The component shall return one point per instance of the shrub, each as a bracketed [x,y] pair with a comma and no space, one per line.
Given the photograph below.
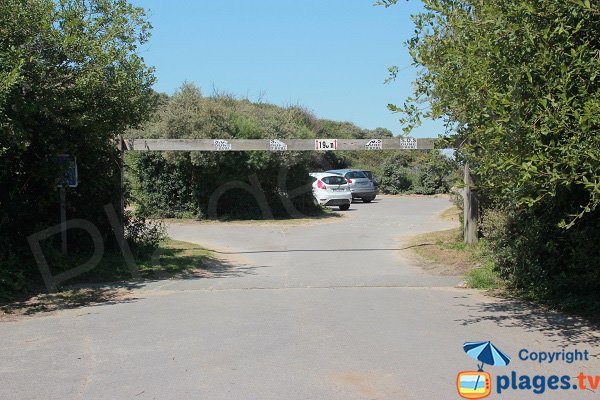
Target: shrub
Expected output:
[12,279]
[544,261]
[395,180]
[183,186]
[143,236]
[71,80]
[435,174]
[421,173]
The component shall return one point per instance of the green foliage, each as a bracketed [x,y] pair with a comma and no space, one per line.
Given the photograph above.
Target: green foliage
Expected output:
[71,79]
[11,275]
[396,175]
[544,261]
[418,172]
[143,236]
[182,184]
[484,277]
[517,83]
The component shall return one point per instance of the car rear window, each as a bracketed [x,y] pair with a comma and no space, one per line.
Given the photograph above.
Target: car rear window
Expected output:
[369,174]
[355,175]
[334,180]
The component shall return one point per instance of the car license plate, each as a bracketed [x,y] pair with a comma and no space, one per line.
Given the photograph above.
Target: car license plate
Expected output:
[338,190]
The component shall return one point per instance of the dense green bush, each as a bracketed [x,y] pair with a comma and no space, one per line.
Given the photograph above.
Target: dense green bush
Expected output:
[544,261]
[395,179]
[143,236]
[182,184]
[517,83]
[420,173]
[12,275]
[71,79]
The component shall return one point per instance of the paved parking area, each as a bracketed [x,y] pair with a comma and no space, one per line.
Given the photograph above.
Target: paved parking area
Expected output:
[327,310]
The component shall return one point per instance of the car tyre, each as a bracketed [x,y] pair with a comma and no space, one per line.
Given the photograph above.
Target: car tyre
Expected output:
[316,202]
[344,207]
[367,199]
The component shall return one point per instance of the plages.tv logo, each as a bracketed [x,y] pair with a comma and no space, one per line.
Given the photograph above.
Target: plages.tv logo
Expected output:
[478,384]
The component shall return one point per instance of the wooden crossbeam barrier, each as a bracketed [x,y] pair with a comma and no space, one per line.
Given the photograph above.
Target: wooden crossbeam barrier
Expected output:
[404,143]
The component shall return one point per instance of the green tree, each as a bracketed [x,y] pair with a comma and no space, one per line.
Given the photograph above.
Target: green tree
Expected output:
[517,83]
[518,80]
[71,79]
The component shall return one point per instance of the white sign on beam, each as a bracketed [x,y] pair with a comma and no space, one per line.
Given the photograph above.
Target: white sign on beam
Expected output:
[222,145]
[374,144]
[277,145]
[408,143]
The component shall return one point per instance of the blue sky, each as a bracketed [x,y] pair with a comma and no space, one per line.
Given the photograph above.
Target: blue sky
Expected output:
[330,56]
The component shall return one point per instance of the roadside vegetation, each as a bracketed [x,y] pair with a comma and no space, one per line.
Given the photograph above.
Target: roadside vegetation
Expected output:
[517,82]
[181,184]
[445,253]
[71,81]
[112,282]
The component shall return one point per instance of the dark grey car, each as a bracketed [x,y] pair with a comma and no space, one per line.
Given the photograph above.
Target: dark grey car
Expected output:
[373,179]
[360,185]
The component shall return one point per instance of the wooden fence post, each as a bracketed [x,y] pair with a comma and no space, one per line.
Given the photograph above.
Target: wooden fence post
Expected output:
[122,179]
[471,214]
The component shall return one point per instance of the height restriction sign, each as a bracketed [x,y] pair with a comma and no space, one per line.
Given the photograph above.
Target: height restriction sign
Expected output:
[325,144]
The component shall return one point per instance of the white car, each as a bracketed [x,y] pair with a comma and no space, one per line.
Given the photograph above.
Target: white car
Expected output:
[331,190]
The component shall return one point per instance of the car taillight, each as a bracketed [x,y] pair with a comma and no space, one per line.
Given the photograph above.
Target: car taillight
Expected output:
[321,185]
[349,180]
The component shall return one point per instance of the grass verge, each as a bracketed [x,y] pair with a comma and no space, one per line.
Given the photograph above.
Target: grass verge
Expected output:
[324,215]
[445,253]
[111,281]
[174,258]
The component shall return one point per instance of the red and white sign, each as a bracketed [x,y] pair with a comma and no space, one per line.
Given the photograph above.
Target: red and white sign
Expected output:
[325,144]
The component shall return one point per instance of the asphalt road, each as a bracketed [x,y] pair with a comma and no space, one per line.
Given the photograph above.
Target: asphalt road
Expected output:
[328,310]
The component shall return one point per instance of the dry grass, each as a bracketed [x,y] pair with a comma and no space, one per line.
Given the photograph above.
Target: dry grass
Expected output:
[450,214]
[444,253]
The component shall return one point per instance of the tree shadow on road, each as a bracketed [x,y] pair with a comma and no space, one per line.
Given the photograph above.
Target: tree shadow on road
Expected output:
[71,298]
[560,328]
[187,262]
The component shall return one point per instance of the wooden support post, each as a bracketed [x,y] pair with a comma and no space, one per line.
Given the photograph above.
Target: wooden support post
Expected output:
[122,179]
[63,219]
[470,209]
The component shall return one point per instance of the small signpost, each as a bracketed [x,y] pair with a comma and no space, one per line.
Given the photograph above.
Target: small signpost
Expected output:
[325,144]
[69,178]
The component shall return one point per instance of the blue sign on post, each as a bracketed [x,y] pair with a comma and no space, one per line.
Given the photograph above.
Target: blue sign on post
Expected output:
[69,166]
